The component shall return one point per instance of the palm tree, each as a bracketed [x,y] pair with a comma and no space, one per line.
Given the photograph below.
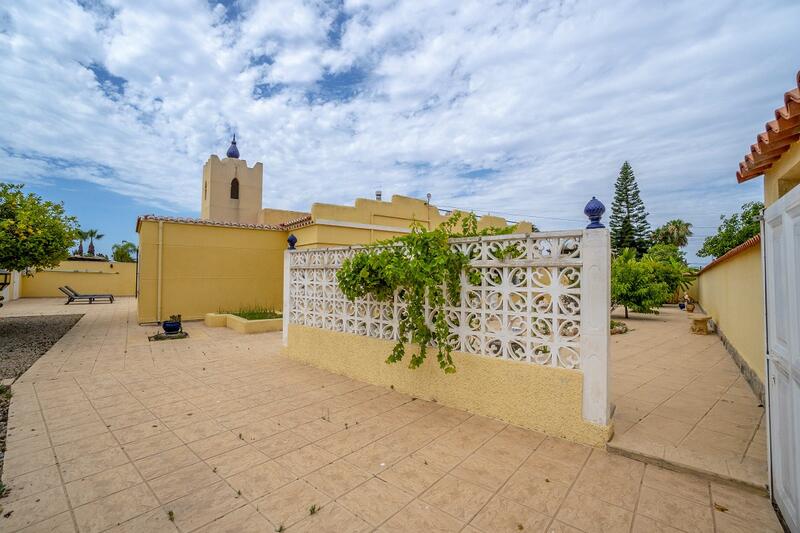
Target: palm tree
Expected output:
[93,234]
[124,252]
[82,236]
[675,232]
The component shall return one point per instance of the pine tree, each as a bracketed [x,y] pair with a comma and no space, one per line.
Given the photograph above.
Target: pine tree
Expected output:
[629,226]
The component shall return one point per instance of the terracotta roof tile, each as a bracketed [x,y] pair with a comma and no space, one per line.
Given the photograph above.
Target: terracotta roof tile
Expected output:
[749,243]
[778,136]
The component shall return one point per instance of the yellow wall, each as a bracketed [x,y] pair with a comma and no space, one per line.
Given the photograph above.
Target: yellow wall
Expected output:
[731,292]
[783,175]
[208,269]
[369,221]
[88,277]
[536,397]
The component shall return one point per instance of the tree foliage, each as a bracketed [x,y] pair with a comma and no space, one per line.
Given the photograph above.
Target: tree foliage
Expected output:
[124,252]
[421,267]
[669,266]
[635,284]
[733,230]
[34,233]
[628,224]
[675,232]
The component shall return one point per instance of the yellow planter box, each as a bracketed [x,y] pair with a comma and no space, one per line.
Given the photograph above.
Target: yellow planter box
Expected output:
[242,325]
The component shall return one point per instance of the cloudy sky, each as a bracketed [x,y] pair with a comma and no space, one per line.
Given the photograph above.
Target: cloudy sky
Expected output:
[523,109]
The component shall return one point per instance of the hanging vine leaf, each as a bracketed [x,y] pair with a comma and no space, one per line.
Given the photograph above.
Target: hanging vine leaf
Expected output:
[422,268]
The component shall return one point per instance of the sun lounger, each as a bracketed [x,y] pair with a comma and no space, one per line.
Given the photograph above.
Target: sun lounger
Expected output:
[74,296]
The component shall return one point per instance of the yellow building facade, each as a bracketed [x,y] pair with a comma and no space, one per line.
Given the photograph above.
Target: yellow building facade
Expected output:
[730,288]
[232,257]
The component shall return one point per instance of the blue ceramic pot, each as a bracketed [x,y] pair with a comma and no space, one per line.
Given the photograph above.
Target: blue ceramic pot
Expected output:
[681,306]
[171,326]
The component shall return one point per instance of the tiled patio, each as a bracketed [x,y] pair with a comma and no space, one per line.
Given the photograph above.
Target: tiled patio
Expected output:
[220,432]
[681,400]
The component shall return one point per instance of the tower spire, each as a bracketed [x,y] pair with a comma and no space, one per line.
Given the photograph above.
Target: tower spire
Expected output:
[233,151]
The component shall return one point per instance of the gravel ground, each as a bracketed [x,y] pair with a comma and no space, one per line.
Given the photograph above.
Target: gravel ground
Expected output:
[23,340]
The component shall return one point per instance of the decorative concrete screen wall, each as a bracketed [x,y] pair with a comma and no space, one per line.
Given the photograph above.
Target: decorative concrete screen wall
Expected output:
[544,313]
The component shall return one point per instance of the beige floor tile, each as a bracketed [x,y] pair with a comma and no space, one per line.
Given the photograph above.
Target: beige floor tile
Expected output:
[502,515]
[603,463]
[16,462]
[743,504]
[619,491]
[243,520]
[593,515]
[728,523]
[644,524]
[166,462]
[305,460]
[332,518]
[668,429]
[419,516]
[536,490]
[412,475]
[158,443]
[88,489]
[198,430]
[86,465]
[58,524]
[563,451]
[204,505]
[183,481]
[216,444]
[31,483]
[553,469]
[675,511]
[375,501]
[155,521]
[337,478]
[85,446]
[32,509]
[236,460]
[280,444]
[485,470]
[261,479]
[457,497]
[290,503]
[685,485]
[115,509]
[139,431]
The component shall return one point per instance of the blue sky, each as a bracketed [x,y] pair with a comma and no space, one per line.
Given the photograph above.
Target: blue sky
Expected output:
[524,109]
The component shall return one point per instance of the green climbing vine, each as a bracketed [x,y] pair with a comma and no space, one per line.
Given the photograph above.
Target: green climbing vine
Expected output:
[421,267]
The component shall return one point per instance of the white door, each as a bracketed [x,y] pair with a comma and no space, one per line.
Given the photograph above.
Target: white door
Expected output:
[781,241]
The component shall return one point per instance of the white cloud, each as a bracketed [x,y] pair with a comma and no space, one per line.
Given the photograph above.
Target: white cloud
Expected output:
[515,107]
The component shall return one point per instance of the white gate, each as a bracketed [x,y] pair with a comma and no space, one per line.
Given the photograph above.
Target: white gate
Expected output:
[781,241]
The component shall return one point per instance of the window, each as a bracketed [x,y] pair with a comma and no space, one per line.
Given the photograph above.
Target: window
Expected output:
[235,189]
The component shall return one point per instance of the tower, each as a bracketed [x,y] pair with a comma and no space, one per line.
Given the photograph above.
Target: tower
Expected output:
[231,190]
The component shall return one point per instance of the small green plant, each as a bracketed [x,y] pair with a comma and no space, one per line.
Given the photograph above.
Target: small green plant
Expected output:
[313,509]
[171,516]
[280,528]
[423,269]
[255,313]
[618,327]
[6,392]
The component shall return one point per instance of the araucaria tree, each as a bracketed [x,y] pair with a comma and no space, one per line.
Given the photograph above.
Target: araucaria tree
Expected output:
[34,233]
[629,226]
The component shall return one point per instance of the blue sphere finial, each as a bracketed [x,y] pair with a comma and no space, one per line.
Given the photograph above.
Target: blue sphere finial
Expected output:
[233,152]
[594,210]
[292,240]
